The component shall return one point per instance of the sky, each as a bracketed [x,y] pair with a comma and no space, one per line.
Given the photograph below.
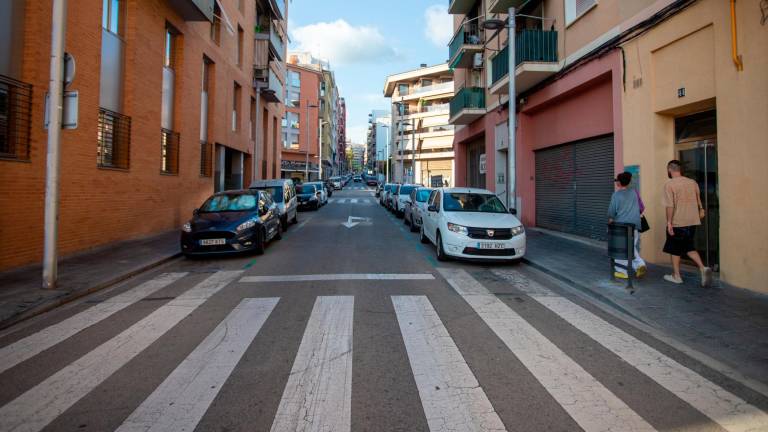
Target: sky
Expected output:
[365,41]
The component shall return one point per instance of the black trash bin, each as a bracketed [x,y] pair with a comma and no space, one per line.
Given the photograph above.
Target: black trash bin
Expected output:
[621,245]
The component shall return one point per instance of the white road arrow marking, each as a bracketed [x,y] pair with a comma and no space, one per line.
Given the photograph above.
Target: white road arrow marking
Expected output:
[354,221]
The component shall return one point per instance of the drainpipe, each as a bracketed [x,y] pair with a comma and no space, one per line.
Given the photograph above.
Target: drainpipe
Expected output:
[734,45]
[511,151]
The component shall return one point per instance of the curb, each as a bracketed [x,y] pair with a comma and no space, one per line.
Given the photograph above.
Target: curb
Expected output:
[74,295]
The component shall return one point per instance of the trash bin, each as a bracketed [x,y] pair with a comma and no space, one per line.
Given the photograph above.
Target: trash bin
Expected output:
[621,246]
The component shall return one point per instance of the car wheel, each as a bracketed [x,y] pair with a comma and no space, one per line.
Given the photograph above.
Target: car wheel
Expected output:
[259,248]
[423,238]
[441,256]
[413,225]
[279,234]
[317,206]
[295,219]
[284,223]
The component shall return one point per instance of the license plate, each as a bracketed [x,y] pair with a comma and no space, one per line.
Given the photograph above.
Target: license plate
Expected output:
[213,242]
[491,245]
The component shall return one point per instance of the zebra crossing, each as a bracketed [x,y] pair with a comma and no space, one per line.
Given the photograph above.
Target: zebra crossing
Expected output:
[358,201]
[317,393]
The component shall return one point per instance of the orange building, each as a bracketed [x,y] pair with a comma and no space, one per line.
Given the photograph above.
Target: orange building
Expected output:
[176,99]
[301,125]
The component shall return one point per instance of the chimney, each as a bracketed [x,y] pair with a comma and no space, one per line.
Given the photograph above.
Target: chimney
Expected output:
[423,65]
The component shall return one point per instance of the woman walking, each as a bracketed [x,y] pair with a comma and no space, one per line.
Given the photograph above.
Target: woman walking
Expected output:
[625,207]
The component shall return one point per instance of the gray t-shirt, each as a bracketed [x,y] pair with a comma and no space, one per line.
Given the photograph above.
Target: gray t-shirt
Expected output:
[624,207]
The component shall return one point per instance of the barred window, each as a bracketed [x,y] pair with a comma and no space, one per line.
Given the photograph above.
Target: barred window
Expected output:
[206,159]
[114,140]
[15,118]
[169,151]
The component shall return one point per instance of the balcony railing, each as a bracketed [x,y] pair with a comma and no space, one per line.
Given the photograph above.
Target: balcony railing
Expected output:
[531,45]
[446,86]
[468,34]
[113,140]
[277,43]
[468,98]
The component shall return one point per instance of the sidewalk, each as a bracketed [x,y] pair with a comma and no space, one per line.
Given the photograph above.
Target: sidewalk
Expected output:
[728,324]
[21,295]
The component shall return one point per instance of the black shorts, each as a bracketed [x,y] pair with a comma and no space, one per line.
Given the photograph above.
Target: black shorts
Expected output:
[682,242]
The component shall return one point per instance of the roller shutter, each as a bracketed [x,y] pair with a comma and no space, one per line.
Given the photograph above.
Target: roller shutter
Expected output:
[574,183]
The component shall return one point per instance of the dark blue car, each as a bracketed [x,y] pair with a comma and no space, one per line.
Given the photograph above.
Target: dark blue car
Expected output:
[231,222]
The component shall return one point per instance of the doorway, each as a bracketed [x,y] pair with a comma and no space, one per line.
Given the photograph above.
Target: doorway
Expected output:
[476,164]
[696,148]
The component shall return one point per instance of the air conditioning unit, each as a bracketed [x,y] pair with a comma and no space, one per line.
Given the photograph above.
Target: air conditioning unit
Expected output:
[477,61]
[260,73]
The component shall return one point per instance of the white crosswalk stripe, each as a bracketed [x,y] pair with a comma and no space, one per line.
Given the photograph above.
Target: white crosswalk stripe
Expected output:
[587,401]
[182,399]
[727,409]
[318,395]
[40,405]
[26,348]
[450,394]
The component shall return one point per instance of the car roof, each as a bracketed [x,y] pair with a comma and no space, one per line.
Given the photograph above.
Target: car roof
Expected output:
[466,190]
[236,191]
[266,183]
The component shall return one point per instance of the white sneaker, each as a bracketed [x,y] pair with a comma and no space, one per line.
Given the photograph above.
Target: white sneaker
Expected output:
[706,277]
[673,279]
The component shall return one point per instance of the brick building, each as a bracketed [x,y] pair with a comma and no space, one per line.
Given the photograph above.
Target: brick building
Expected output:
[167,114]
[300,133]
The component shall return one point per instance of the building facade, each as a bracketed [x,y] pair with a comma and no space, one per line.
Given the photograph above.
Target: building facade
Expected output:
[422,137]
[301,126]
[341,137]
[606,86]
[166,102]
[377,151]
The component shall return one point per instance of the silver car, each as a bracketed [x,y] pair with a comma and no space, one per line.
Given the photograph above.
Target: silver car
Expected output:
[416,207]
[283,193]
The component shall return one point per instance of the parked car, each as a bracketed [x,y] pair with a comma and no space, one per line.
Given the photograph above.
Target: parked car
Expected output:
[308,196]
[336,182]
[402,197]
[416,207]
[471,223]
[328,186]
[357,179]
[371,181]
[321,187]
[383,194]
[230,222]
[379,187]
[392,196]
[283,194]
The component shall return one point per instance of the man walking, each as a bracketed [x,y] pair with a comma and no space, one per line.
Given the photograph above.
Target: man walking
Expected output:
[625,208]
[682,200]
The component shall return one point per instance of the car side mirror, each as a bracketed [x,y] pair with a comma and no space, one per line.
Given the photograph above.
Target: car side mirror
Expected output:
[513,211]
[432,208]
[195,212]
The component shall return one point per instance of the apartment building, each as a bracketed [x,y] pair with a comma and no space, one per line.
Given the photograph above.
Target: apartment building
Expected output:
[421,138]
[166,115]
[301,123]
[377,141]
[604,86]
[341,137]
[358,157]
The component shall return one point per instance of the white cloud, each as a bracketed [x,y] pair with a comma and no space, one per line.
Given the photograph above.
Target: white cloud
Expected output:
[439,25]
[342,43]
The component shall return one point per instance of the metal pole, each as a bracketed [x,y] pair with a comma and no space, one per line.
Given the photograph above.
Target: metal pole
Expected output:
[306,159]
[320,153]
[256,146]
[511,151]
[387,155]
[55,109]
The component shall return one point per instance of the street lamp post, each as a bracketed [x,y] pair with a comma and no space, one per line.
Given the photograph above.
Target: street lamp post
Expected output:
[306,159]
[386,160]
[320,151]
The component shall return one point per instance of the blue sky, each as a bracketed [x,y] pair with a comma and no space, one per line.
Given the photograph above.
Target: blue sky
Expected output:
[365,41]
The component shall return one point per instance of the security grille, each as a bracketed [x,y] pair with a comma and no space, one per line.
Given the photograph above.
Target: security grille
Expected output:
[15,115]
[114,140]
[206,159]
[169,151]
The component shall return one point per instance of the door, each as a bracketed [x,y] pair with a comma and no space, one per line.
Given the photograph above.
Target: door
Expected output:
[430,219]
[475,157]
[696,148]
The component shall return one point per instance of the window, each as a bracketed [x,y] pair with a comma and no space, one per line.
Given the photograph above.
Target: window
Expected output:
[216,24]
[293,99]
[576,8]
[239,45]
[206,159]
[112,16]
[114,140]
[15,118]
[426,83]
[402,89]
[171,34]
[294,78]
[236,95]
[322,89]
[169,151]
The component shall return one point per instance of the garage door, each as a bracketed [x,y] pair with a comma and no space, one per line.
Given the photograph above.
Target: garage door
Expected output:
[574,183]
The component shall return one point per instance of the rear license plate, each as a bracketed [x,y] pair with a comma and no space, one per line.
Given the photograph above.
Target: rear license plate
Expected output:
[490,245]
[213,242]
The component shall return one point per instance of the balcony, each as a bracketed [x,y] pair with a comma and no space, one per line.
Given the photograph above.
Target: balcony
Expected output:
[460,7]
[535,61]
[193,10]
[276,43]
[274,91]
[278,6]
[502,6]
[468,105]
[467,42]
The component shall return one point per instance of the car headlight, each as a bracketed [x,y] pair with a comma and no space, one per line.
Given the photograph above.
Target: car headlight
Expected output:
[246,225]
[187,227]
[313,198]
[517,230]
[458,229]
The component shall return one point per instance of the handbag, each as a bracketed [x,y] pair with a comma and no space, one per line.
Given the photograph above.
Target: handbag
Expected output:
[644,224]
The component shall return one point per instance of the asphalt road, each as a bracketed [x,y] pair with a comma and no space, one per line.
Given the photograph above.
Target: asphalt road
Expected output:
[353,327]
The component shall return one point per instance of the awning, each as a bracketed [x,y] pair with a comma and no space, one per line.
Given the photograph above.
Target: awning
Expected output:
[227,22]
[455,62]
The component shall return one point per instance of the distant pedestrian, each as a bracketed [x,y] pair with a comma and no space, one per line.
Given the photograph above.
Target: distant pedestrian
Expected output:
[625,208]
[682,200]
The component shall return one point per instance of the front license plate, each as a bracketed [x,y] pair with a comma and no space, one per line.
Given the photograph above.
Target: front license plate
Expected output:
[213,242]
[490,245]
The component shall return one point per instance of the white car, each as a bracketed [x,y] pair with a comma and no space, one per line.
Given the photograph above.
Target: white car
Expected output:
[323,193]
[471,223]
[402,198]
[416,207]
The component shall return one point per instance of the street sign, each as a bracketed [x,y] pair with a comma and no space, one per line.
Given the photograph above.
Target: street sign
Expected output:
[482,164]
[69,112]
[69,69]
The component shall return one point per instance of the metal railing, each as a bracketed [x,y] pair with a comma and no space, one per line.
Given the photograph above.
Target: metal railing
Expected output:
[15,118]
[468,34]
[531,45]
[169,151]
[446,86]
[206,159]
[468,98]
[114,140]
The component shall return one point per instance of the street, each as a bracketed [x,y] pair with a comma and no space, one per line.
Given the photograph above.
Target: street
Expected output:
[350,324]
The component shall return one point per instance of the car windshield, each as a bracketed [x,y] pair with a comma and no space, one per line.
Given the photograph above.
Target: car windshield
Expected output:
[231,202]
[422,195]
[406,190]
[305,189]
[472,202]
[275,191]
